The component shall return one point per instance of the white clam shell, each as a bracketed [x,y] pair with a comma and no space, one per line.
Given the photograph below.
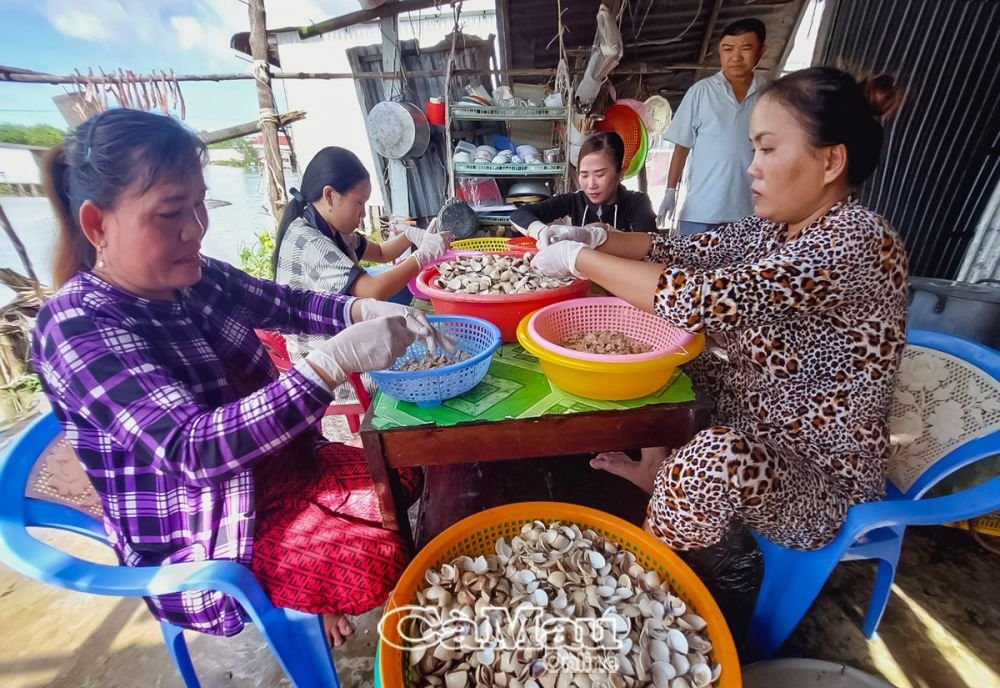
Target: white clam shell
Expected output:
[701,675]
[559,573]
[662,673]
[678,641]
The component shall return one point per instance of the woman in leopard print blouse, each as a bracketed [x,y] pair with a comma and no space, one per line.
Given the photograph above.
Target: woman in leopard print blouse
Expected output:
[806,302]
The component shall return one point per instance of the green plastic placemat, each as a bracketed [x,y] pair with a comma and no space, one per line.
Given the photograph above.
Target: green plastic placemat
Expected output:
[514,387]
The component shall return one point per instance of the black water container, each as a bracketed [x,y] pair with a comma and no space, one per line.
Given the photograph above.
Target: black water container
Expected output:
[959,308]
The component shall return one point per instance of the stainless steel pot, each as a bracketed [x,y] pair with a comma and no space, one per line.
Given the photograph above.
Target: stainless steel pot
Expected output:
[398,130]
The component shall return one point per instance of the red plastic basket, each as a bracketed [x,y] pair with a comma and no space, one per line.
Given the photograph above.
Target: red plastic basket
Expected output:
[503,310]
[524,242]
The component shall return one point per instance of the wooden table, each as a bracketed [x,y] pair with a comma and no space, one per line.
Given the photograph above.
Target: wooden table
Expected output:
[669,425]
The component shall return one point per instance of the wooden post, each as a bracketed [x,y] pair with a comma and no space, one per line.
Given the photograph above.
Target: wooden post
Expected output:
[274,172]
[21,251]
[392,58]
[706,41]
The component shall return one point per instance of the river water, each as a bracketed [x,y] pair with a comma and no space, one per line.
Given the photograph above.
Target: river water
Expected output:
[229,226]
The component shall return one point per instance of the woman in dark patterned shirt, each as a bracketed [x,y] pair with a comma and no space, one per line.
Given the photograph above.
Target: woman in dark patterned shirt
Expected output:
[806,302]
[197,448]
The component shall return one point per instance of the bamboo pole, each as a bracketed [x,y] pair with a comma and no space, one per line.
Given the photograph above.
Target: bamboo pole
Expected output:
[273,168]
[16,77]
[240,130]
[392,9]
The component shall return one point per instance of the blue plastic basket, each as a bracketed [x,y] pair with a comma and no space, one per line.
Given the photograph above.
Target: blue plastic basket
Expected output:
[475,336]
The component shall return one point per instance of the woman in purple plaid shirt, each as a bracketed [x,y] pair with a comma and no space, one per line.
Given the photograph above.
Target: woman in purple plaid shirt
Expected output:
[198,449]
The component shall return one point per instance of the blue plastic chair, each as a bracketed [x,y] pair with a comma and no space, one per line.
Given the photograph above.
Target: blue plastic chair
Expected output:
[874,530]
[297,638]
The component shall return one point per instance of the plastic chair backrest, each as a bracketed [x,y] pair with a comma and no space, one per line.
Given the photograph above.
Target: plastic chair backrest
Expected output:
[947,397]
[58,476]
[42,483]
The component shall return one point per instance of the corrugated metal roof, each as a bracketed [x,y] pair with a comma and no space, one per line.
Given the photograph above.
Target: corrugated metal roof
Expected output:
[656,34]
[940,163]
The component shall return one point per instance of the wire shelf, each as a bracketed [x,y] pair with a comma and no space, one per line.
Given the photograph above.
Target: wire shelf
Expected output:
[510,170]
[487,219]
[510,113]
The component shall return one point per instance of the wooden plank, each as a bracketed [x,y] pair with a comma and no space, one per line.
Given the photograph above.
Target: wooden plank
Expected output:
[392,60]
[775,73]
[575,433]
[390,9]
[372,444]
[709,30]
[455,492]
[22,253]
[503,29]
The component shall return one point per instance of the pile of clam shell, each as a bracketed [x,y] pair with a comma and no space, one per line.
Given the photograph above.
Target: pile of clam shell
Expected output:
[605,342]
[556,577]
[430,361]
[493,274]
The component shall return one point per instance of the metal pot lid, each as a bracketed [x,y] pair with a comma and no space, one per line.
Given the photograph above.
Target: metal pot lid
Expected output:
[394,127]
[531,188]
[458,218]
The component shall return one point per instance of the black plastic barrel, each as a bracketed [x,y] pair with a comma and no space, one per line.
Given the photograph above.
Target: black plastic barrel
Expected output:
[959,308]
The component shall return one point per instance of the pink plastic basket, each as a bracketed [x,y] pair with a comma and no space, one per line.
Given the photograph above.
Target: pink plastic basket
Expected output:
[554,323]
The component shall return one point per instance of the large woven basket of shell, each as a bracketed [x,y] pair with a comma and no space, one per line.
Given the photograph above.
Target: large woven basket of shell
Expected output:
[552,594]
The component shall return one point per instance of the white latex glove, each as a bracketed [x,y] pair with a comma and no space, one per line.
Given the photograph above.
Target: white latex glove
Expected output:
[416,322]
[558,259]
[667,207]
[534,229]
[416,235]
[591,235]
[370,345]
[432,245]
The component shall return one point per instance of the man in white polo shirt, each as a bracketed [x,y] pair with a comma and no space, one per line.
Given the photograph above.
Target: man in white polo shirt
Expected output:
[713,124]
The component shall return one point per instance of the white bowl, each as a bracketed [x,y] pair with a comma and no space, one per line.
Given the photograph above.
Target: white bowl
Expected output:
[463,156]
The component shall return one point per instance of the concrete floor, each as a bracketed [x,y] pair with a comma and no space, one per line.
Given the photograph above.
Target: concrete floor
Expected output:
[941,628]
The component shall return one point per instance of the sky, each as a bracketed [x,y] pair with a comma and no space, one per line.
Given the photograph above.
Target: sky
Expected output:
[188,36]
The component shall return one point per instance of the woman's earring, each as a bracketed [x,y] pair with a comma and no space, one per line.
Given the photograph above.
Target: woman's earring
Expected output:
[101,263]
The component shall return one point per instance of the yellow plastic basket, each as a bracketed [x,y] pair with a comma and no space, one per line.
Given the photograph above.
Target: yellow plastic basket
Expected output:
[477,535]
[611,378]
[481,244]
[488,245]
